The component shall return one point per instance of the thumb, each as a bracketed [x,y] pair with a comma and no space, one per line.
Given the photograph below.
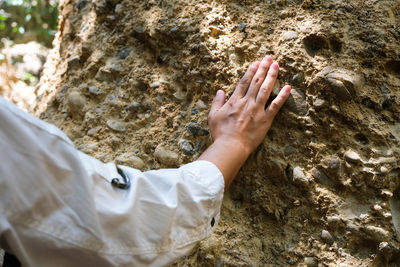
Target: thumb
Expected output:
[218,102]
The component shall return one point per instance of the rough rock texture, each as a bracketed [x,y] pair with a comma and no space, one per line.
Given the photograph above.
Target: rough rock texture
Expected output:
[153,67]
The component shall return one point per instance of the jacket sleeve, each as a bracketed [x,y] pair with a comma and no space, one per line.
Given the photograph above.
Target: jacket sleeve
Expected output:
[58,207]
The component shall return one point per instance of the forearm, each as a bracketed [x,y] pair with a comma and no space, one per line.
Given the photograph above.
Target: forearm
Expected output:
[228,155]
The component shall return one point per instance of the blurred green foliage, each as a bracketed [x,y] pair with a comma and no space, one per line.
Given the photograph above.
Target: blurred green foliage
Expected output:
[22,21]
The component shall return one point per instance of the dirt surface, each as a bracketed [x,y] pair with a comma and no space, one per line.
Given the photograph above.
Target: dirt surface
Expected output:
[323,189]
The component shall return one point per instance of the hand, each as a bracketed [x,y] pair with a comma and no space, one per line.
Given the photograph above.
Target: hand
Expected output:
[243,119]
[240,124]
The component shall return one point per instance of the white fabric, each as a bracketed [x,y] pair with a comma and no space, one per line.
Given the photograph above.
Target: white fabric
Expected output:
[58,207]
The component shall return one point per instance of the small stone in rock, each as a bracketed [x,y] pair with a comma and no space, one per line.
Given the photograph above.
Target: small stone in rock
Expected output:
[91,132]
[332,221]
[334,163]
[352,156]
[132,160]
[298,78]
[339,89]
[195,111]
[73,62]
[81,4]
[320,177]
[94,90]
[319,103]
[196,129]
[242,26]
[186,147]
[155,85]
[166,157]
[310,262]
[200,105]
[297,102]
[299,177]
[289,35]
[124,53]
[116,125]
[289,150]
[75,104]
[134,106]
[377,233]
[178,95]
[327,237]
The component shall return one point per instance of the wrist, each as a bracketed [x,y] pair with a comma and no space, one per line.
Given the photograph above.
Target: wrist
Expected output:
[233,146]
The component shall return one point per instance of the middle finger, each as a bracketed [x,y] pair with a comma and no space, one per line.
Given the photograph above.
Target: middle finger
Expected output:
[259,77]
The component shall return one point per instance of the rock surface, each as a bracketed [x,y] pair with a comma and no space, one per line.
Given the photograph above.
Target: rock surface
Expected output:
[341,57]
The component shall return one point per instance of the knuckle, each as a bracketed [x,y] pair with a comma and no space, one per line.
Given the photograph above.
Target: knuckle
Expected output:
[274,74]
[264,89]
[274,106]
[258,81]
[244,81]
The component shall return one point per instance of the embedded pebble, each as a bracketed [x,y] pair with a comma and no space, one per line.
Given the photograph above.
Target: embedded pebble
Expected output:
[320,177]
[130,159]
[319,103]
[155,85]
[310,262]
[166,157]
[377,233]
[196,129]
[344,83]
[383,169]
[108,73]
[186,147]
[93,131]
[297,102]
[298,78]
[242,26]
[200,105]
[134,106]
[88,148]
[95,90]
[352,156]
[332,221]
[289,35]
[124,53]
[118,8]
[81,4]
[75,104]
[339,89]
[327,237]
[289,150]
[116,125]
[73,63]
[334,163]
[179,95]
[299,177]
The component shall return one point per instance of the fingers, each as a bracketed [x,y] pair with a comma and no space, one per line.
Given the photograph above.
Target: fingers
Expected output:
[278,102]
[244,83]
[268,85]
[259,77]
[218,102]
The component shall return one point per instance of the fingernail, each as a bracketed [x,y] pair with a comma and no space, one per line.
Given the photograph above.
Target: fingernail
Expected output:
[220,93]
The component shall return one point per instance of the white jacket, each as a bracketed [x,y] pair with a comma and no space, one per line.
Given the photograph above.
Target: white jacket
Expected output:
[58,207]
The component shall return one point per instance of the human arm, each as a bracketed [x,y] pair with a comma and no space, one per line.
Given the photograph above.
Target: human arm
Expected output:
[240,124]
